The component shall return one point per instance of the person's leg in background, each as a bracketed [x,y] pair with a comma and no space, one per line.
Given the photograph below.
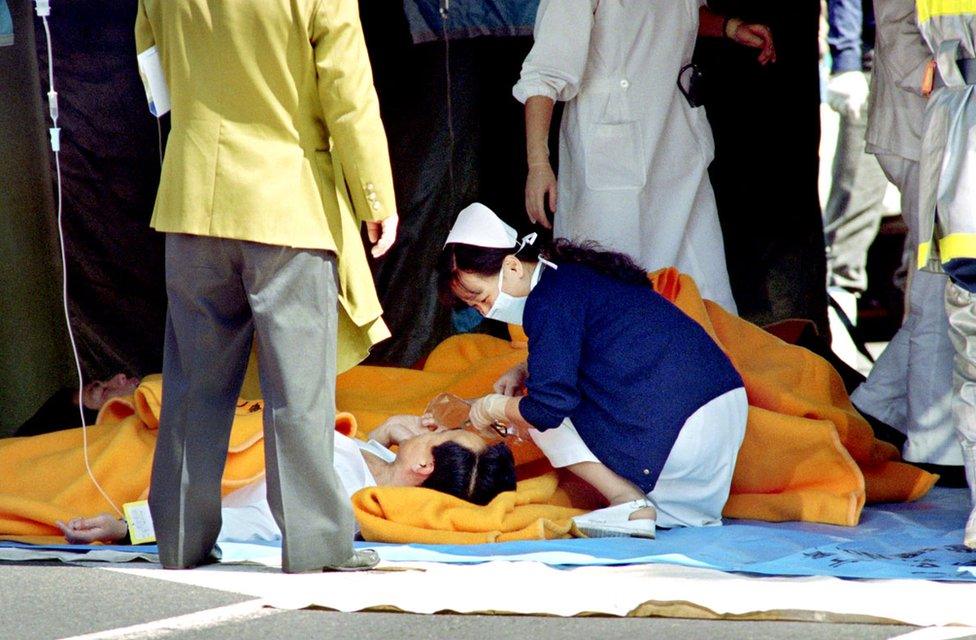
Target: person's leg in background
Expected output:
[208,338]
[910,385]
[931,436]
[960,303]
[852,216]
[294,298]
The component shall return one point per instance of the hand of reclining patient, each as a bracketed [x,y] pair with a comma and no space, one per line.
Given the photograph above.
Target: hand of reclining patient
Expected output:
[100,528]
[398,428]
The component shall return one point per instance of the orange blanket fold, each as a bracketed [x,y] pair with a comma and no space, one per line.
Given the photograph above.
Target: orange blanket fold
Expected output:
[407,514]
[807,454]
[44,477]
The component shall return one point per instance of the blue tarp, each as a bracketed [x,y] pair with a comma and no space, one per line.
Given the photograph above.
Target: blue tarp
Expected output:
[469,18]
[6,25]
[919,540]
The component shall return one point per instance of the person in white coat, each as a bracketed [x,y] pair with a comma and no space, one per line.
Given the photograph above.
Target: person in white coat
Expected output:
[910,386]
[633,149]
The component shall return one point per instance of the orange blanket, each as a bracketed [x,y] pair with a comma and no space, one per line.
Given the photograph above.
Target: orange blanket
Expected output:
[44,477]
[807,454]
[408,514]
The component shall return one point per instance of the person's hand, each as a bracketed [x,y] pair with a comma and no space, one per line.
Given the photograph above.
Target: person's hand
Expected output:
[756,36]
[540,183]
[847,92]
[396,429]
[101,528]
[512,382]
[488,410]
[382,234]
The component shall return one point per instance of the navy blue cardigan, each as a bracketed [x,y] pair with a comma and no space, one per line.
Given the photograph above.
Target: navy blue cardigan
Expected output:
[626,365]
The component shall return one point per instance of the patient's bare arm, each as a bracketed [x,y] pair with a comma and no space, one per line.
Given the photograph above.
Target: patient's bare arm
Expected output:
[101,528]
[396,429]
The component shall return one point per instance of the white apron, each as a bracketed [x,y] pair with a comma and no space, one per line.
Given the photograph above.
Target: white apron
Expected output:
[633,154]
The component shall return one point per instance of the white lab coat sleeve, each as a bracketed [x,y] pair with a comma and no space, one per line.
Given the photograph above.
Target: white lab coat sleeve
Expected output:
[908,54]
[555,65]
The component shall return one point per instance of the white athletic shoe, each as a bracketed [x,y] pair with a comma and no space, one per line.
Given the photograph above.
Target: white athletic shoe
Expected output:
[615,522]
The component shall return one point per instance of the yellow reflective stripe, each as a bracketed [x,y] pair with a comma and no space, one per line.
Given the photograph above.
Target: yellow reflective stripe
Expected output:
[957,245]
[927,9]
[924,250]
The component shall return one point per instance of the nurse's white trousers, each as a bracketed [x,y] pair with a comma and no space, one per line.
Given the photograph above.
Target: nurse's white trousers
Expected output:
[694,483]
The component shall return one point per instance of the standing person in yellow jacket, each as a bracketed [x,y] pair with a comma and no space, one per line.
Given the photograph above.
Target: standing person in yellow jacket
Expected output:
[276,155]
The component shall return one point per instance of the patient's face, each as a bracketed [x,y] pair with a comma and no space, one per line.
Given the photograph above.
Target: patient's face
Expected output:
[418,448]
[414,455]
[95,394]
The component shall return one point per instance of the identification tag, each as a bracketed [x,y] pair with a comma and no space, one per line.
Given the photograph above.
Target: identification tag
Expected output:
[140,523]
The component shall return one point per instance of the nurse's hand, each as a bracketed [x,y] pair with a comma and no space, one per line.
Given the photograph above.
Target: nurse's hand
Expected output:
[540,183]
[757,36]
[488,410]
[512,382]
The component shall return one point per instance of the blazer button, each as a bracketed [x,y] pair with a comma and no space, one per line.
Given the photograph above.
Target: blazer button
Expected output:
[647,472]
[376,205]
[369,186]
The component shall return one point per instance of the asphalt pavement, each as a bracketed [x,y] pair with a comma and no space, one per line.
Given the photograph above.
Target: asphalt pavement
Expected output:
[44,600]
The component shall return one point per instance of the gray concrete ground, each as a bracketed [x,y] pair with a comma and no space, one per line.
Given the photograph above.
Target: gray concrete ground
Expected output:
[41,601]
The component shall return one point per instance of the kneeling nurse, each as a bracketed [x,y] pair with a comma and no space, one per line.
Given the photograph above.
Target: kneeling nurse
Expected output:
[621,387]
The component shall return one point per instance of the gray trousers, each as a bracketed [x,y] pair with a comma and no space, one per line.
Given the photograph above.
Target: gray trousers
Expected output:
[961,307]
[854,207]
[222,295]
[910,385]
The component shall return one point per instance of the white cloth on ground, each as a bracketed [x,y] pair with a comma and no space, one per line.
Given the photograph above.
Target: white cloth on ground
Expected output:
[245,512]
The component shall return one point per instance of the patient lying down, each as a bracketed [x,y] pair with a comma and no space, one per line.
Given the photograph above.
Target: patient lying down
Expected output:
[456,462]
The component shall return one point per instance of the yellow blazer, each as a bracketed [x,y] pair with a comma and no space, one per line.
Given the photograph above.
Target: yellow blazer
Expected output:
[276,135]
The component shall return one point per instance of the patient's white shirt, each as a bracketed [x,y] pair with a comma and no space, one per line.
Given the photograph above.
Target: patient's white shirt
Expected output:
[245,512]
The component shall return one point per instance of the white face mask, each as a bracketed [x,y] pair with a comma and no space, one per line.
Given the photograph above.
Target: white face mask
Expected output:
[509,308]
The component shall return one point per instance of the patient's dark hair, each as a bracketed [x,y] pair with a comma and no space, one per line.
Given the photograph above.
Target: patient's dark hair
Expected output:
[486,261]
[471,476]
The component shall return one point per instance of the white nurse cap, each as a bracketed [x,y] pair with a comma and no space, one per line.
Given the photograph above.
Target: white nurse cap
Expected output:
[479,226]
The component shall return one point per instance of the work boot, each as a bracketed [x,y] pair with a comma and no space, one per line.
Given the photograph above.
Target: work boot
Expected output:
[961,309]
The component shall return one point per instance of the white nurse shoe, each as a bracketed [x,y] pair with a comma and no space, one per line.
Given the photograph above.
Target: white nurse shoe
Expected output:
[615,522]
